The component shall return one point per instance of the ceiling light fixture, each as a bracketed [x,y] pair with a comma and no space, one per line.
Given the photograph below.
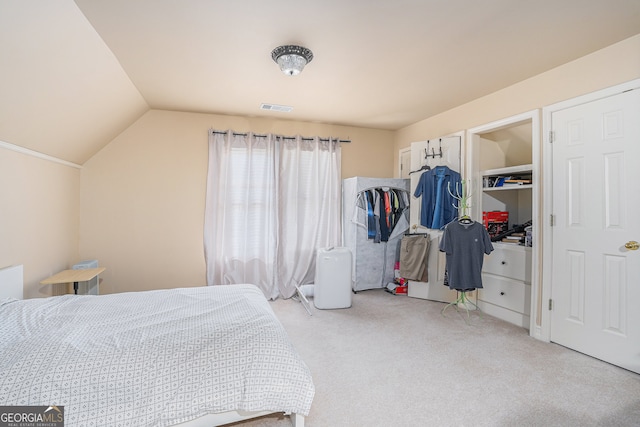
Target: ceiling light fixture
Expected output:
[291,59]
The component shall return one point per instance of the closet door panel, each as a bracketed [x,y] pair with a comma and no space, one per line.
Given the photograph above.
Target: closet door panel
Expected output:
[422,155]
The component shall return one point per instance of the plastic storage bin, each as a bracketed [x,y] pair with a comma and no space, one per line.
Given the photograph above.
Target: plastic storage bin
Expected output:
[332,287]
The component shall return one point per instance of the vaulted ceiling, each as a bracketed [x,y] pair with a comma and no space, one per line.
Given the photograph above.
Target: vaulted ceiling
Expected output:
[73,75]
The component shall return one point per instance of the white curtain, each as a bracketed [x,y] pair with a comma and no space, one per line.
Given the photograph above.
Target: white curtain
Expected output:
[272,201]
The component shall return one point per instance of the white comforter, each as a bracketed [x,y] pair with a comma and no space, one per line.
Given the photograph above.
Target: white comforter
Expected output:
[152,358]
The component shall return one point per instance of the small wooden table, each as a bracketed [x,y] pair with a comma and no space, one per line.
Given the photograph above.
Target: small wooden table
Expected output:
[75,276]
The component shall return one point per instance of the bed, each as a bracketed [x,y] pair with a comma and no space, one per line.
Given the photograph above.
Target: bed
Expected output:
[193,356]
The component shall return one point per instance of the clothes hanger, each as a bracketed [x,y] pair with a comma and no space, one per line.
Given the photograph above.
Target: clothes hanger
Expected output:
[423,168]
[465,219]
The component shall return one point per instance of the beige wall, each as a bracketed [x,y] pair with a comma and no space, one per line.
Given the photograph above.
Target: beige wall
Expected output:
[39,217]
[613,65]
[142,196]
[608,67]
[137,206]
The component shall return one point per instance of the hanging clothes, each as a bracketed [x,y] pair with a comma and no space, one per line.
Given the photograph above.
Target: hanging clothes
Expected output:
[373,262]
[385,208]
[371,217]
[438,206]
[414,253]
[382,216]
[465,246]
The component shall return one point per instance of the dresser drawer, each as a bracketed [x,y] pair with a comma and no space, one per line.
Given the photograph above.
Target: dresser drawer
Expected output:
[509,261]
[510,294]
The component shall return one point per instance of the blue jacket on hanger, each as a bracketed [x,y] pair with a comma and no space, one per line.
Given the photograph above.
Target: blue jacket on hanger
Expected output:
[438,207]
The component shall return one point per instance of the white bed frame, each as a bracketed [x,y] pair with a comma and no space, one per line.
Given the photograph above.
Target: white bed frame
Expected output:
[11,282]
[229,417]
[12,286]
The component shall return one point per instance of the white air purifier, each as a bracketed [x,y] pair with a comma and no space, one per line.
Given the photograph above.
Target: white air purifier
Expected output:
[90,287]
[332,287]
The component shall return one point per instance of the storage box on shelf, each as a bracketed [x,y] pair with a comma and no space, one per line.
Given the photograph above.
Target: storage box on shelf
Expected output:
[496,222]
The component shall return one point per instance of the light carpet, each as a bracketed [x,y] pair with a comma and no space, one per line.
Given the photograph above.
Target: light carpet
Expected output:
[397,361]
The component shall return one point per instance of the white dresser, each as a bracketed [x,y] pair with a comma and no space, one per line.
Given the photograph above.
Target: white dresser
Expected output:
[506,281]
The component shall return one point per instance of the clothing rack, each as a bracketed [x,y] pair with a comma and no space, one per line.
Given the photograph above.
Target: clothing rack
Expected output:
[221,132]
[462,196]
[393,215]
[463,301]
[384,187]
[409,233]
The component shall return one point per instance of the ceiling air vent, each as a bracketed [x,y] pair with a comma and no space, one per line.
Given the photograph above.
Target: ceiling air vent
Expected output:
[275,107]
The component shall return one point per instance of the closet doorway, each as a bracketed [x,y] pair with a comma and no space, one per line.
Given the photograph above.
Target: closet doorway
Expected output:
[508,150]
[594,255]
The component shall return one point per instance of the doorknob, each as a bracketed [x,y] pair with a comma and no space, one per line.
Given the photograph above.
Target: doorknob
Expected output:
[632,245]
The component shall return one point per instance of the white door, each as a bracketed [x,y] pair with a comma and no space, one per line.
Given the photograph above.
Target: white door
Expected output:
[427,153]
[595,286]
[405,163]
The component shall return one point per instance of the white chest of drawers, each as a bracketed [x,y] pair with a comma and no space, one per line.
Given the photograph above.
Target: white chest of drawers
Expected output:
[506,281]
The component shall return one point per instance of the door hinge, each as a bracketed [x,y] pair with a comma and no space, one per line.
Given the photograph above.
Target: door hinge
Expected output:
[552,220]
[552,136]
[550,304]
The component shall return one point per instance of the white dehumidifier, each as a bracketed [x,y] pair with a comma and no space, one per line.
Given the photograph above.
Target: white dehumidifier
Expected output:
[332,287]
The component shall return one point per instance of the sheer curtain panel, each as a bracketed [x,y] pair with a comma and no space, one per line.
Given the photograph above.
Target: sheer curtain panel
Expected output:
[271,202]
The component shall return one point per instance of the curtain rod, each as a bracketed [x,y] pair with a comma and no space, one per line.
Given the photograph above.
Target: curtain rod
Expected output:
[220,132]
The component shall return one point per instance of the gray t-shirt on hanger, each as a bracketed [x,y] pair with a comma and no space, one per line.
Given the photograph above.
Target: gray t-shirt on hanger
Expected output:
[465,246]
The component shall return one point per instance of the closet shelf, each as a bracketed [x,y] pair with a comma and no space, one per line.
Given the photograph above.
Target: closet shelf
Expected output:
[510,170]
[508,187]
[508,178]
